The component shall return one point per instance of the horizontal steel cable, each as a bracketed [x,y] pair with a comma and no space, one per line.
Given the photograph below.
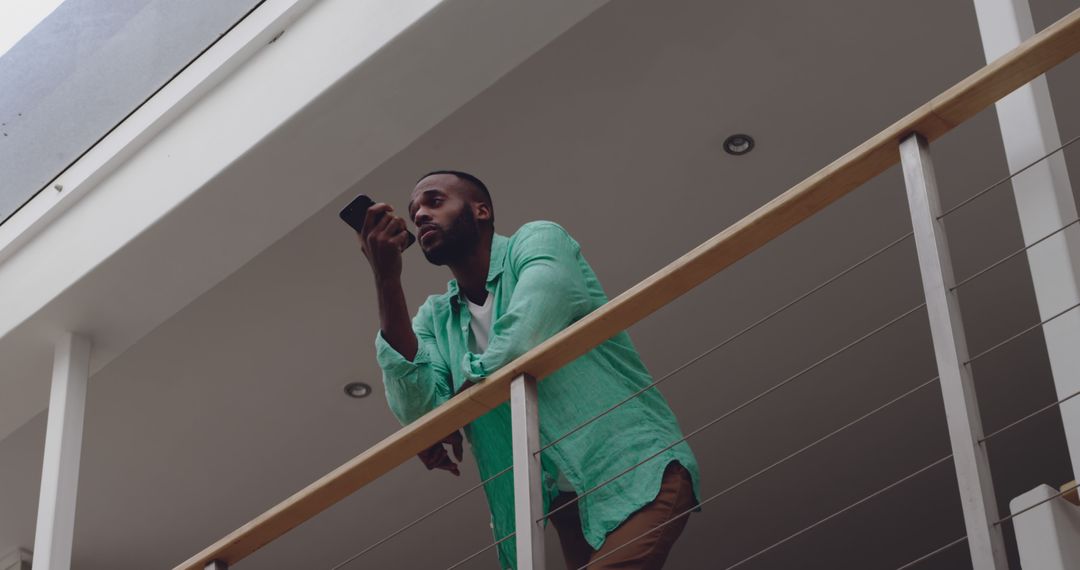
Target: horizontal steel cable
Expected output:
[1026,509]
[422,518]
[733,337]
[844,510]
[935,552]
[814,443]
[1014,254]
[483,550]
[823,438]
[789,537]
[1008,178]
[1031,415]
[741,406]
[1019,334]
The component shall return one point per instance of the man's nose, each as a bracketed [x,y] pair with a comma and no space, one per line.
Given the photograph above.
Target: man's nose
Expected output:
[421,216]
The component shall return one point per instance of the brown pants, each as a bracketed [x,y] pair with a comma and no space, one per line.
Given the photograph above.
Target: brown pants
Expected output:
[648,552]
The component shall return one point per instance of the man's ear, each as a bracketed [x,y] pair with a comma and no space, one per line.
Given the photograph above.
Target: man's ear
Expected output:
[482,211]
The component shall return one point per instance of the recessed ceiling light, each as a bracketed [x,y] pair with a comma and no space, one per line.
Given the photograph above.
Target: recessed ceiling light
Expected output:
[739,144]
[357,390]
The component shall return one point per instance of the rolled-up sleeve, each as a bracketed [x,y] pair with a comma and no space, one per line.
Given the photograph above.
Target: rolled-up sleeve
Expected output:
[550,294]
[414,388]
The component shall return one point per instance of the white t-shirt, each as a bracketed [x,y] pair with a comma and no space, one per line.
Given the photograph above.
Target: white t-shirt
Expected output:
[480,325]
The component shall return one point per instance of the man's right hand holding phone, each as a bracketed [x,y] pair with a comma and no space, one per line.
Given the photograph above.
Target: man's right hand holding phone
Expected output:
[382,240]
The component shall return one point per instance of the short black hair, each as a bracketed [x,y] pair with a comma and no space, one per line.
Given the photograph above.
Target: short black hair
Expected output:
[474,181]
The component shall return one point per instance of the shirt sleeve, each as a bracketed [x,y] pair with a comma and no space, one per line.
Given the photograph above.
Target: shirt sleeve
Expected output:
[414,388]
[550,294]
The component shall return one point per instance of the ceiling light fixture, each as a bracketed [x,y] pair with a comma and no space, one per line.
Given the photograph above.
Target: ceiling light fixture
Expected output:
[739,144]
[357,390]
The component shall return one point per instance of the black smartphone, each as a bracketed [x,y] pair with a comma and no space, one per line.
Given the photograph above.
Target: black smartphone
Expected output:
[356,211]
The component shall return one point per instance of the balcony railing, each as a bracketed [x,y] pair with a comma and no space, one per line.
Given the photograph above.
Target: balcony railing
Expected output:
[906,142]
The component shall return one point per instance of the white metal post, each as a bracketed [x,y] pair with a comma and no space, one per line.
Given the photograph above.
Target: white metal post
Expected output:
[1044,203]
[63,447]
[528,497]
[950,348]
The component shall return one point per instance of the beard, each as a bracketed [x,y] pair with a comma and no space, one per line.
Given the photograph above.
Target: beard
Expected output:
[456,242]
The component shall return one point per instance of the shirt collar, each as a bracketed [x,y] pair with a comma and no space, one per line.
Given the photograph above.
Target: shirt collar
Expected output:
[495,264]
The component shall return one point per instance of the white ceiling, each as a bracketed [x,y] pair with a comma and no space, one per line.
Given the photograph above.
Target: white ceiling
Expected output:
[614,131]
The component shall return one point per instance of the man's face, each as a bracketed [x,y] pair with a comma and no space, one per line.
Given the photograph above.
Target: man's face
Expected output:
[442,210]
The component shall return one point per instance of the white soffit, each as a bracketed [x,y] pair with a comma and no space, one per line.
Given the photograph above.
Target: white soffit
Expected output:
[346,87]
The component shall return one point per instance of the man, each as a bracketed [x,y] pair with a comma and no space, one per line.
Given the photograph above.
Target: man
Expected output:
[508,295]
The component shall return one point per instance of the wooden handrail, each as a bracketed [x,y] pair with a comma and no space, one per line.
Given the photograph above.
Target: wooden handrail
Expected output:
[1070,494]
[956,105]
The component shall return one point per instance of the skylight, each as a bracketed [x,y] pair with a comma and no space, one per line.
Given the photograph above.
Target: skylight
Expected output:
[85,67]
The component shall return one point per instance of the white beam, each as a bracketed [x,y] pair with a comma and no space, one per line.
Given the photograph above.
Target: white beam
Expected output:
[1044,201]
[63,447]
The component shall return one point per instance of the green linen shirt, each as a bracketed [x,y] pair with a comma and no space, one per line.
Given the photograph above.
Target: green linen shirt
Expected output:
[540,284]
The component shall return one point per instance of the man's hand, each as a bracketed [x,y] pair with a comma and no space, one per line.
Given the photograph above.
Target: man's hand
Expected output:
[382,241]
[436,456]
